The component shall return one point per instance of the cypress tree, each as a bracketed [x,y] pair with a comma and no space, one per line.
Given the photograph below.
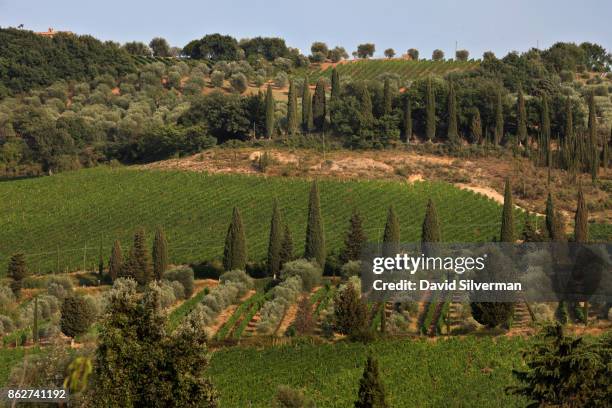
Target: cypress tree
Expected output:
[286,250]
[35,324]
[387,97]
[569,120]
[335,93]
[592,129]
[453,133]
[507,224]
[366,105]
[318,105]
[269,112]
[499,119]
[235,251]
[391,236]
[545,139]
[116,261]
[581,231]
[407,119]
[100,263]
[431,227]
[550,216]
[476,127]
[521,128]
[275,241]
[431,111]
[606,151]
[371,390]
[292,120]
[138,265]
[355,239]
[307,119]
[160,254]
[315,238]
[17,271]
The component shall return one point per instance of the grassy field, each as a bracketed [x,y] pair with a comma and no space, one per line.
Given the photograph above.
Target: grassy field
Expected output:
[78,214]
[405,69]
[458,372]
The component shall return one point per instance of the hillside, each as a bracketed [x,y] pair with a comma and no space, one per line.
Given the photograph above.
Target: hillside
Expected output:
[79,213]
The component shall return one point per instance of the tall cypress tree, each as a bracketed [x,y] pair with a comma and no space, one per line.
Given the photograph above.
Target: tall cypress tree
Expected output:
[17,271]
[115,264]
[476,127]
[391,236]
[315,238]
[160,254]
[430,111]
[269,112]
[545,138]
[307,119]
[275,241]
[292,119]
[387,97]
[430,231]
[453,133]
[499,119]
[366,105]
[286,250]
[581,229]
[371,390]
[235,251]
[569,120]
[550,215]
[507,224]
[335,93]
[35,323]
[355,238]
[138,265]
[521,128]
[318,105]
[407,119]
[592,129]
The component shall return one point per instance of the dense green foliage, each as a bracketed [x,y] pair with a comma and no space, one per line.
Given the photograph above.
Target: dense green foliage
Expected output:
[160,254]
[315,237]
[117,201]
[355,239]
[371,390]
[507,222]
[28,60]
[76,316]
[235,251]
[330,373]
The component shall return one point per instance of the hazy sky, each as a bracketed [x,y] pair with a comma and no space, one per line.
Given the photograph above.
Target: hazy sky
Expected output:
[477,25]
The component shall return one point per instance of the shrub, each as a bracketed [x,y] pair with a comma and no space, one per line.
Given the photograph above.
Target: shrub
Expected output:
[179,289]
[281,79]
[601,90]
[216,79]
[287,397]
[239,82]
[165,291]
[310,273]
[7,297]
[492,314]
[351,268]
[566,76]
[350,313]
[304,322]
[273,310]
[183,275]
[236,276]
[76,316]
[6,324]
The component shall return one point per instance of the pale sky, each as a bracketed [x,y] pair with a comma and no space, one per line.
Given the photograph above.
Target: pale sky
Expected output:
[477,25]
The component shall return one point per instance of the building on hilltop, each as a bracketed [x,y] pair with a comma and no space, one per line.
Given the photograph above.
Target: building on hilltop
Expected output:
[51,32]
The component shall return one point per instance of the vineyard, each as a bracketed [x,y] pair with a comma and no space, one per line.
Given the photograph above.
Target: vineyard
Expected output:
[406,70]
[67,221]
[416,373]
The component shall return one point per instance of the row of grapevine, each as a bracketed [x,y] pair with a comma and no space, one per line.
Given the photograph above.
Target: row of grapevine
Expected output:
[235,325]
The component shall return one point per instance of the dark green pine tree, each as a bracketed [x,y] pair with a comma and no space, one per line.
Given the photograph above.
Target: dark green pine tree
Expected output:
[100,263]
[35,323]
[335,93]
[292,118]
[476,127]
[569,120]
[17,271]
[235,251]
[371,390]
[499,119]
[391,236]
[307,119]
[275,241]
[315,238]
[453,132]
[160,254]
[318,105]
[138,265]
[430,111]
[521,126]
[270,122]
[581,231]
[407,119]
[355,239]
[387,98]
[286,250]
[554,222]
[507,224]
[430,231]
[115,264]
